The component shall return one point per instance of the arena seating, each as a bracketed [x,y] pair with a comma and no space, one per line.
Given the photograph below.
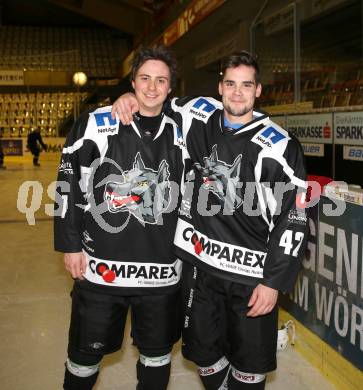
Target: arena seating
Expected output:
[21,112]
[323,86]
[93,51]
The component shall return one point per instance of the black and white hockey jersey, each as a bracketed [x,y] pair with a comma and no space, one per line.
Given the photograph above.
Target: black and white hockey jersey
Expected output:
[241,216]
[117,200]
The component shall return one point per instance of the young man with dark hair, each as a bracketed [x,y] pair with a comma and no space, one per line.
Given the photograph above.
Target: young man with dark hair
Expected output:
[151,53]
[240,232]
[116,218]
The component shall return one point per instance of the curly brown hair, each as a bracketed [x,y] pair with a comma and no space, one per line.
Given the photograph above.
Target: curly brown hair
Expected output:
[160,53]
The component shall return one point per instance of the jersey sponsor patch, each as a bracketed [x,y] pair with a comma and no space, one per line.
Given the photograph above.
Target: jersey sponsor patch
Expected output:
[268,137]
[66,167]
[105,123]
[127,274]
[227,257]
[202,109]
[144,193]
[103,117]
[297,217]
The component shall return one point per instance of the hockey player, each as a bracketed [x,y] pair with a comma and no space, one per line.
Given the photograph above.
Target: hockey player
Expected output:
[116,217]
[34,141]
[240,228]
[2,166]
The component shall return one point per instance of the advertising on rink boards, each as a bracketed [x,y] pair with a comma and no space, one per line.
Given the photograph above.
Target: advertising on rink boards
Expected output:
[328,295]
[12,147]
[54,145]
[348,128]
[350,194]
[18,146]
[315,150]
[354,153]
[310,128]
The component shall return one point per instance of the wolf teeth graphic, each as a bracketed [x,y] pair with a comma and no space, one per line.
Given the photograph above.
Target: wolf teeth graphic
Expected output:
[222,178]
[144,192]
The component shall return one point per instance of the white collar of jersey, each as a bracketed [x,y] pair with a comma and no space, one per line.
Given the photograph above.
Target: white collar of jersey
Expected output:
[161,128]
[258,118]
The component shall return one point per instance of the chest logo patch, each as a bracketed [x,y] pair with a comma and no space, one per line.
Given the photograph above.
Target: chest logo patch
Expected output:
[144,193]
[222,179]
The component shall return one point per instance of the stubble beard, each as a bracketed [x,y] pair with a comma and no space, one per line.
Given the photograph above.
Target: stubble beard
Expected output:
[237,112]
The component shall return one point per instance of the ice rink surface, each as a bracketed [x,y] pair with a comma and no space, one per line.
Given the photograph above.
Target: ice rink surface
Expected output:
[35,302]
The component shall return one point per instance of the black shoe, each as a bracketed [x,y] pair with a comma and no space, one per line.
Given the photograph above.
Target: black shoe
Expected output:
[36,164]
[2,167]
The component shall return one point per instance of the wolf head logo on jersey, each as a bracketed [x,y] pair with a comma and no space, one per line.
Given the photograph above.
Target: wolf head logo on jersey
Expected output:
[144,193]
[221,178]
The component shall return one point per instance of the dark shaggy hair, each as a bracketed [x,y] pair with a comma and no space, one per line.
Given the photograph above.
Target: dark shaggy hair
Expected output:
[240,58]
[160,53]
